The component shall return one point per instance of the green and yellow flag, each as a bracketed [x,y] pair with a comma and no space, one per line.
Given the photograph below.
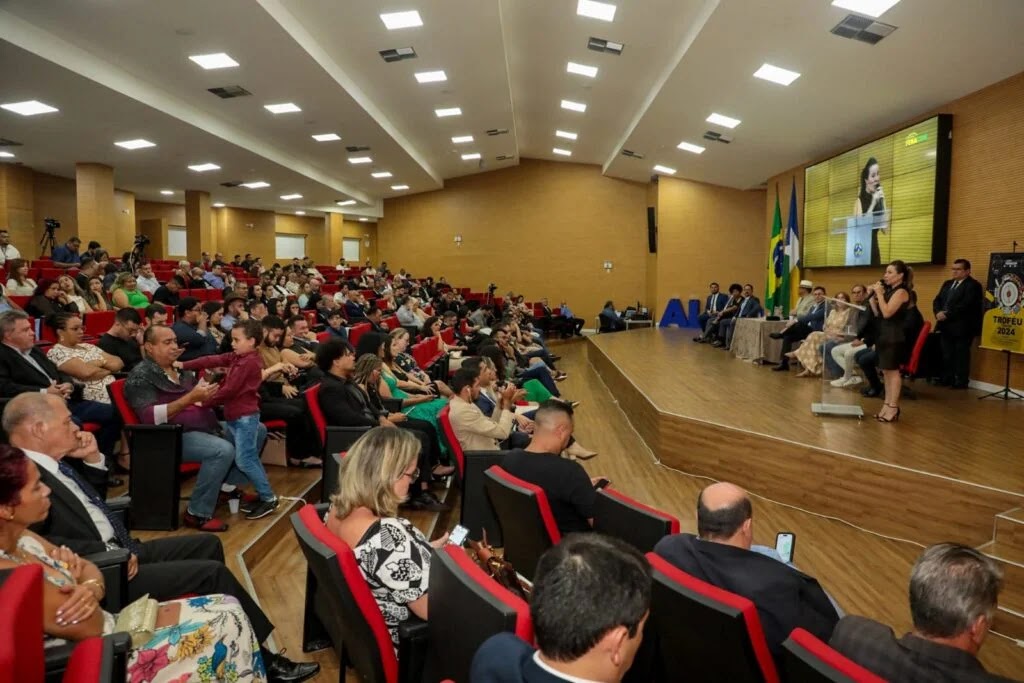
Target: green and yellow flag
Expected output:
[776,253]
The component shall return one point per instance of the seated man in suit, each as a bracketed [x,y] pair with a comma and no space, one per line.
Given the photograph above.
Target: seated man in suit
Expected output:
[715,303]
[26,369]
[591,597]
[749,307]
[723,555]
[954,591]
[164,568]
[569,489]
[732,305]
[813,320]
[192,330]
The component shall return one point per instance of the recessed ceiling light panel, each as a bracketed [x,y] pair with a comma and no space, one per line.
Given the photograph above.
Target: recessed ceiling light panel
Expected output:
[282,108]
[450,111]
[218,205]
[360,160]
[381,174]
[573,106]
[871,8]
[29,108]
[138,143]
[776,74]
[431,76]
[397,20]
[689,147]
[721,120]
[462,139]
[664,169]
[347,202]
[256,185]
[326,137]
[202,168]
[289,197]
[605,11]
[166,192]
[300,213]
[217,60]
[562,152]
[471,157]
[566,134]
[6,155]
[398,188]
[581,69]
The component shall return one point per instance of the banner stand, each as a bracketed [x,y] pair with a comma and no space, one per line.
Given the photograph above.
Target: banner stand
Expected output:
[1006,393]
[1003,323]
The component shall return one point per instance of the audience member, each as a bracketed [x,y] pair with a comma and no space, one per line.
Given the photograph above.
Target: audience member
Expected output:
[66,255]
[749,306]
[215,314]
[335,327]
[803,323]
[8,252]
[474,430]
[710,330]
[18,282]
[73,294]
[234,310]
[810,354]
[722,555]
[958,309]
[839,355]
[6,303]
[303,338]
[591,597]
[167,293]
[145,280]
[88,365]
[611,321]
[49,299]
[406,316]
[569,490]
[125,293]
[96,295]
[191,327]
[954,592]
[88,269]
[123,339]
[197,279]
[715,302]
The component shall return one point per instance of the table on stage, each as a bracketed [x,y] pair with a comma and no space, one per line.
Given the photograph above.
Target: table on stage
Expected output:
[750,340]
[633,322]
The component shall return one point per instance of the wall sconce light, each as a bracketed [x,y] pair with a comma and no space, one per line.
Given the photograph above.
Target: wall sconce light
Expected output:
[458,240]
[607,266]
[366,239]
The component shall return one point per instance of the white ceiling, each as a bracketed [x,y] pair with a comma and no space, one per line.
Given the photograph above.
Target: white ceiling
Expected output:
[120,70]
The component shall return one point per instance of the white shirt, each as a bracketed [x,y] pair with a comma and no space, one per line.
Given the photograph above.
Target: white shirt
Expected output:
[103,527]
[558,674]
[147,284]
[7,253]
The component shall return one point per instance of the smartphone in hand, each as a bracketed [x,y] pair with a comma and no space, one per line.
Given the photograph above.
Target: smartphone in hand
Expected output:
[601,483]
[785,545]
[458,535]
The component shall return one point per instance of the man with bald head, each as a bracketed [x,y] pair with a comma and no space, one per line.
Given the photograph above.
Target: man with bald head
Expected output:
[722,554]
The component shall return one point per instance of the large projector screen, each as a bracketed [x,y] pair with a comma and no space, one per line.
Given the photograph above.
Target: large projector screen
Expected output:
[886,200]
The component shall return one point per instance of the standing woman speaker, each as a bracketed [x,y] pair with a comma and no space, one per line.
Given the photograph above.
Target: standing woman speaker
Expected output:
[890,301]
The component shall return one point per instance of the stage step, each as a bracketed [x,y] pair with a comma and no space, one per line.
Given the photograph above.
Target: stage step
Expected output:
[1011,561]
[1010,623]
[1009,530]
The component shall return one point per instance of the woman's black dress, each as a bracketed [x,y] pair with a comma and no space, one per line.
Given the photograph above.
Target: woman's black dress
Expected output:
[891,345]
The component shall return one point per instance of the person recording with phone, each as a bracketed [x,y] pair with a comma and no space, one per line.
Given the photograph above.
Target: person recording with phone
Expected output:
[871,201]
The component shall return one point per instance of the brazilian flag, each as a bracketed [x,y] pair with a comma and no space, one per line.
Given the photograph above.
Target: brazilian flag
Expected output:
[776,254]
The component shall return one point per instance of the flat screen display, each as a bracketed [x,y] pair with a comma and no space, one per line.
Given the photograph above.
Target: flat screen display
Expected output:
[886,200]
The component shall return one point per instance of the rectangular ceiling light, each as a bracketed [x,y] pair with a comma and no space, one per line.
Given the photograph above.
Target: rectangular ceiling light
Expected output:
[283,108]
[776,74]
[360,160]
[582,69]
[562,152]
[565,134]
[347,202]
[431,76]
[871,8]
[450,111]
[256,185]
[6,155]
[399,187]
[218,205]
[29,108]
[471,157]
[604,11]
[217,60]
[166,192]
[326,137]
[300,213]
[462,139]
[664,169]
[688,147]
[202,168]
[289,197]
[721,120]
[396,20]
[138,143]
[381,174]
[573,106]
[364,219]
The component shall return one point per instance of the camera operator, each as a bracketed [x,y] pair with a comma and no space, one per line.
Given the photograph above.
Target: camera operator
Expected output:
[66,255]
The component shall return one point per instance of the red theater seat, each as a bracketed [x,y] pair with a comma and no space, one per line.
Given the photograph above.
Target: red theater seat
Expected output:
[527,524]
[616,514]
[805,659]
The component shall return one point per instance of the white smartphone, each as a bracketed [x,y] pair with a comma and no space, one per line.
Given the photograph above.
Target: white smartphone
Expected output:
[785,545]
[458,535]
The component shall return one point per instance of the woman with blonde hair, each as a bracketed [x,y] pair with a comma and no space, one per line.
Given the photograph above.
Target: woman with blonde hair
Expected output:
[126,294]
[74,293]
[393,555]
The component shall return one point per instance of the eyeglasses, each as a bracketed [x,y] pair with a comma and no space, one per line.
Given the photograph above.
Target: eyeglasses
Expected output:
[413,476]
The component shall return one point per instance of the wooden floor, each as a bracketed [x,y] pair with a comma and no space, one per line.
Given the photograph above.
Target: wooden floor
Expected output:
[866,573]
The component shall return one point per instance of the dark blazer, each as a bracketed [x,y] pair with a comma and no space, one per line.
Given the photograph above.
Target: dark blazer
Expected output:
[17,375]
[964,307]
[504,658]
[907,660]
[751,308]
[354,311]
[195,344]
[785,597]
[69,522]
[815,318]
[345,405]
[720,299]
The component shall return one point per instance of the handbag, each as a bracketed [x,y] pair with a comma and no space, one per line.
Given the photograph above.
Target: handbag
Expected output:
[498,568]
[138,620]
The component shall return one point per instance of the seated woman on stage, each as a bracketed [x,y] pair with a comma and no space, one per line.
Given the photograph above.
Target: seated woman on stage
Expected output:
[207,635]
[392,553]
[810,352]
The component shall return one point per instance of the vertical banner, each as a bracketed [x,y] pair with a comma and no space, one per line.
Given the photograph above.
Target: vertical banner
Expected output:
[1003,325]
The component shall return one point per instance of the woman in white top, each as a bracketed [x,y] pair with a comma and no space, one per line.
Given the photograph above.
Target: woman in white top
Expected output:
[19,284]
[87,364]
[73,293]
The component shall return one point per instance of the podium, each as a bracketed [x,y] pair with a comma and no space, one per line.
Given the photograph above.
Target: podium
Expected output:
[858,231]
[838,401]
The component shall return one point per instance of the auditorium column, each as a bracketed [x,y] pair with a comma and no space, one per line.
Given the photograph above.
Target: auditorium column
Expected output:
[334,224]
[94,195]
[198,224]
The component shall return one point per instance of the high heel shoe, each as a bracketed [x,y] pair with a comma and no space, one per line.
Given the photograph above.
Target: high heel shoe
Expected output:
[892,418]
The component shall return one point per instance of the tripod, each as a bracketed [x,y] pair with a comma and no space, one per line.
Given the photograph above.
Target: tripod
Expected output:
[48,242]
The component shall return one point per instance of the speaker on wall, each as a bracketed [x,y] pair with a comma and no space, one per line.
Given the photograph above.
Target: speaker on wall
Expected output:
[652,231]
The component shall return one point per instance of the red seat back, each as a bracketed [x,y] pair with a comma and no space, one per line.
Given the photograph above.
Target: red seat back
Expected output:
[910,367]
[444,417]
[312,396]
[98,322]
[357,331]
[116,389]
[616,514]
[805,659]
[21,625]
[528,526]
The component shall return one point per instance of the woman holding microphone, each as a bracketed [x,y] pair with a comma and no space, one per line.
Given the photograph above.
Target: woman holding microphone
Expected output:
[890,301]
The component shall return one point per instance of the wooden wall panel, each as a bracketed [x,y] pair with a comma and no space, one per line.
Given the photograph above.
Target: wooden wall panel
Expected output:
[367,232]
[53,197]
[17,208]
[986,207]
[94,194]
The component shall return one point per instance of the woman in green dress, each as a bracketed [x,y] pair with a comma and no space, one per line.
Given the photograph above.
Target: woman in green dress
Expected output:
[124,293]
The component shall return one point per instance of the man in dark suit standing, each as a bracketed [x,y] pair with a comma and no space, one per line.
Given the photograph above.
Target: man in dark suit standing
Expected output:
[724,556]
[713,305]
[591,596]
[165,568]
[954,592]
[958,309]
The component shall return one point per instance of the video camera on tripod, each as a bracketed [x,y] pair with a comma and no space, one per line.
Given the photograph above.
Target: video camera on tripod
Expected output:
[137,255]
[49,239]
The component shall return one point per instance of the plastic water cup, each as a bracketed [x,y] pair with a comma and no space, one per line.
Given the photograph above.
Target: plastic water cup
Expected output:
[233,504]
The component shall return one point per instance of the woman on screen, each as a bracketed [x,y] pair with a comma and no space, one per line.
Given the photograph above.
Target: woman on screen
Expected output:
[871,200]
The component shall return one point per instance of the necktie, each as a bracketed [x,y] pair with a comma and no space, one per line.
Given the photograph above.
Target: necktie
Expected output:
[123,538]
[956,284]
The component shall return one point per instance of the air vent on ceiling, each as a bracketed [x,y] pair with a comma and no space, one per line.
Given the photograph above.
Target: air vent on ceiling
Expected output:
[631,154]
[860,28]
[357,148]
[602,45]
[232,183]
[4,142]
[398,54]
[504,157]
[715,136]
[229,91]
[497,131]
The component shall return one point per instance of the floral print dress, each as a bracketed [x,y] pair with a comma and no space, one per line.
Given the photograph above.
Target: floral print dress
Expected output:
[212,642]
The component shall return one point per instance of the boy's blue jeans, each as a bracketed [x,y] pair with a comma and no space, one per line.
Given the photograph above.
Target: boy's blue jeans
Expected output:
[245,432]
